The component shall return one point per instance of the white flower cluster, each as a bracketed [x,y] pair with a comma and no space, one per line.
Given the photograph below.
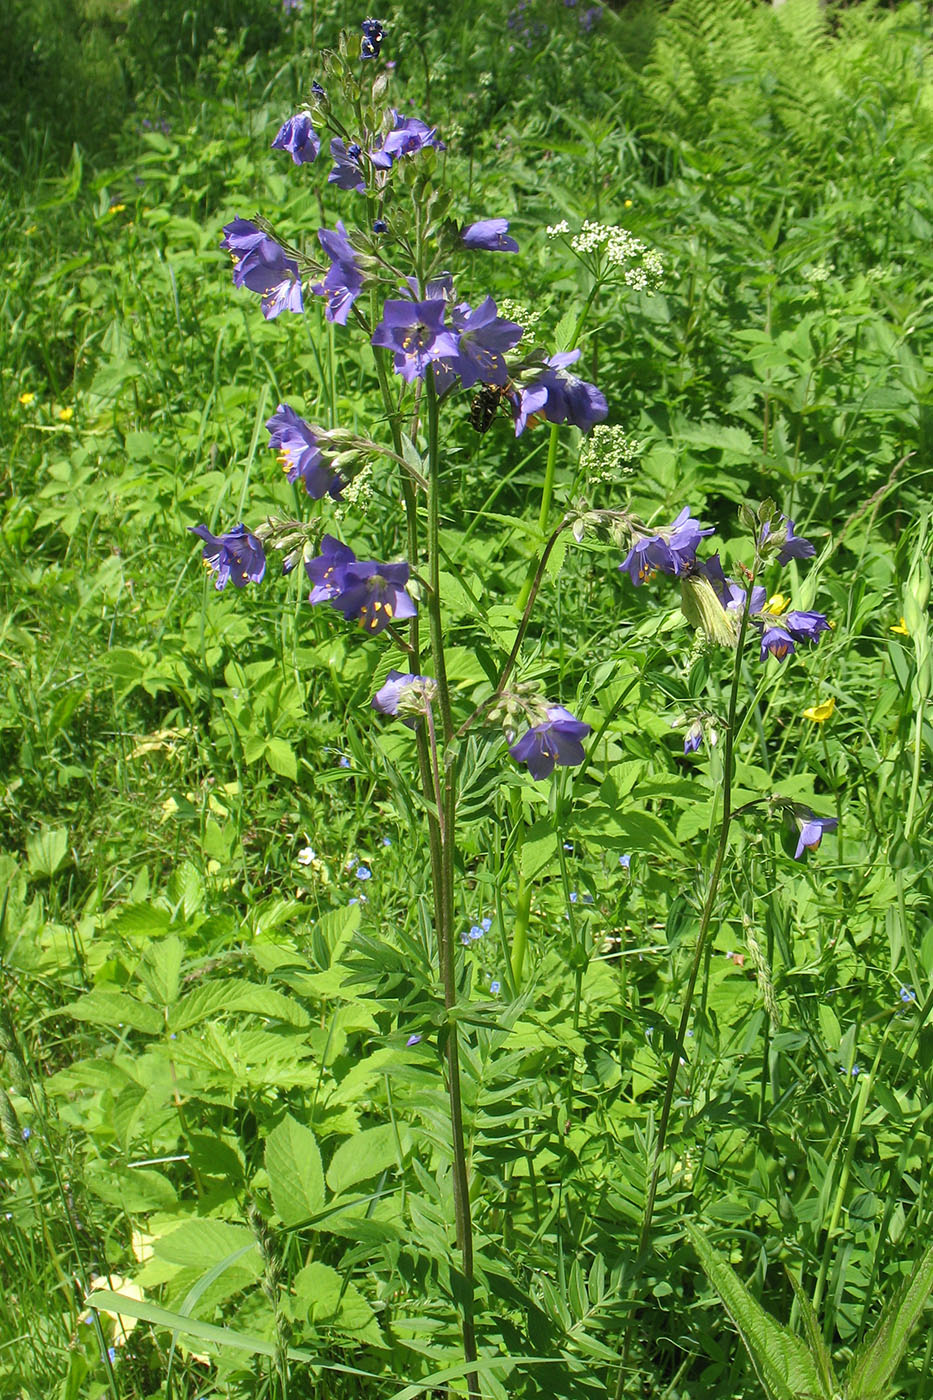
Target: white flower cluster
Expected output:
[821,273]
[521,315]
[555,230]
[640,265]
[356,493]
[608,453]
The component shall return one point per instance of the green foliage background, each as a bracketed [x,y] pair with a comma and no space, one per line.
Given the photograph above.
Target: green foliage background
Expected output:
[204,1039]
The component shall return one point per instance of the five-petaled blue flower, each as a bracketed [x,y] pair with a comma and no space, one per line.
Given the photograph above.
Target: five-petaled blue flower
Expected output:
[373,593]
[408,136]
[558,397]
[298,137]
[482,339]
[344,281]
[236,556]
[556,741]
[347,173]
[810,829]
[300,454]
[262,266]
[398,687]
[672,550]
[792,546]
[415,331]
[491,234]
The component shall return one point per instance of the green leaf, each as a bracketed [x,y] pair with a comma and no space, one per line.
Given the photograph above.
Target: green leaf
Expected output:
[281,759]
[362,1156]
[114,1010]
[818,1348]
[220,998]
[781,1361]
[872,1368]
[201,1243]
[296,1177]
[329,1301]
[46,852]
[539,847]
[133,1190]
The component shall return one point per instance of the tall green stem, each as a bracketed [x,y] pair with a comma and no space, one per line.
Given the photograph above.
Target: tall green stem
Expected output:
[705,919]
[444,892]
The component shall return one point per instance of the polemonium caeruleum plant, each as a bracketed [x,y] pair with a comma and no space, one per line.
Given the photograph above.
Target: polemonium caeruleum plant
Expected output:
[388,272]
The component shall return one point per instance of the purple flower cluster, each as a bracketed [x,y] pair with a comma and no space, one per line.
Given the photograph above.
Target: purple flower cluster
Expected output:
[262,266]
[236,556]
[301,454]
[557,741]
[781,630]
[373,593]
[373,35]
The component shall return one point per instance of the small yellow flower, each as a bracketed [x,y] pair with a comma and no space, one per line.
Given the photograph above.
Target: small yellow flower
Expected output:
[26,399]
[65,414]
[820,713]
[777,605]
[31,229]
[900,628]
[627,204]
[117,208]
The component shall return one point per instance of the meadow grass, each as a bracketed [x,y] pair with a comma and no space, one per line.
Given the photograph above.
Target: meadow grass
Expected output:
[208,1094]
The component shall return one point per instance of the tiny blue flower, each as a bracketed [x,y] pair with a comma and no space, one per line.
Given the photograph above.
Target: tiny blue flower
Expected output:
[573,896]
[387,840]
[111,1354]
[413,1040]
[485,925]
[27,1134]
[363,873]
[495,988]
[343,761]
[907,994]
[354,900]
[625,862]
[476,932]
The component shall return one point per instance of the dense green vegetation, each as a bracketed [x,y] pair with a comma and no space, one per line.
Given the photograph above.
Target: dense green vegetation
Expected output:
[216,926]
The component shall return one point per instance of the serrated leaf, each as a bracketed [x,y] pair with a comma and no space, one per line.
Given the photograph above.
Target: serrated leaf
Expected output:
[362,1156]
[874,1364]
[818,1348]
[330,1301]
[296,1177]
[223,997]
[781,1361]
[114,1009]
[203,1243]
[539,847]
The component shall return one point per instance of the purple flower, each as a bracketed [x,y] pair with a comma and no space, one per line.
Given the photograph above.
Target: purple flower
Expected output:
[625,862]
[235,556]
[298,136]
[326,570]
[781,632]
[413,1040]
[408,136]
[560,397]
[347,173]
[344,282]
[672,550]
[403,688]
[491,234]
[262,266]
[373,35]
[810,828]
[483,337]
[791,546]
[591,17]
[364,589]
[693,737]
[557,741]
[300,454]
[415,332]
